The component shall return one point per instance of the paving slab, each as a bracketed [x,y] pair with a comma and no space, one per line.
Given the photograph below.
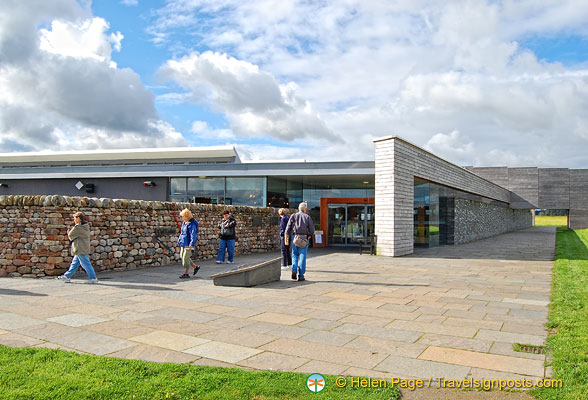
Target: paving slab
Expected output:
[404,366]
[77,320]
[168,340]
[11,321]
[118,329]
[273,361]
[360,315]
[278,318]
[93,343]
[481,360]
[18,340]
[226,352]
[509,337]
[322,352]
[155,354]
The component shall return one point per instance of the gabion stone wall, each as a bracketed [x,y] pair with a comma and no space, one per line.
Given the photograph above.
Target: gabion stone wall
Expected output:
[34,243]
[475,220]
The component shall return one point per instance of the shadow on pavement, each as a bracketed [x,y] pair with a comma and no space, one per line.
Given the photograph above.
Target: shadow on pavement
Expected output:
[12,292]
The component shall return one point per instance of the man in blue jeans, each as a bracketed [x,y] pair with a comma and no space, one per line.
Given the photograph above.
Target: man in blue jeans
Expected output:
[80,249]
[299,224]
[227,238]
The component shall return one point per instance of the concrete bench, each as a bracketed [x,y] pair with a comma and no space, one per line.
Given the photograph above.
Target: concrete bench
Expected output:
[250,275]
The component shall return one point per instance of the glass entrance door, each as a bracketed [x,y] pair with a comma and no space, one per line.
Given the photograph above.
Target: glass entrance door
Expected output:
[336,224]
[348,224]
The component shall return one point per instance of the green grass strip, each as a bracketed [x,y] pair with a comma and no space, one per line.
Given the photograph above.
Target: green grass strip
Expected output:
[568,317]
[545,220]
[39,373]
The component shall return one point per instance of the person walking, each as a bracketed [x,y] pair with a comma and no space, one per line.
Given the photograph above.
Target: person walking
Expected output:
[286,248]
[187,241]
[302,227]
[227,238]
[79,236]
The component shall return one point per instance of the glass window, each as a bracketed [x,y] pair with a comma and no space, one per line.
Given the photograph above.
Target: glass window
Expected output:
[209,190]
[246,192]
[277,192]
[177,186]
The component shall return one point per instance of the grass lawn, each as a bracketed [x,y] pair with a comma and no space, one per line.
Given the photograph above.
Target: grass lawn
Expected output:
[568,317]
[545,220]
[54,374]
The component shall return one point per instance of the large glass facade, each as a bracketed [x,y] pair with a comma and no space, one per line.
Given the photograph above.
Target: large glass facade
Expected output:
[241,191]
[283,192]
[208,190]
[434,212]
[246,191]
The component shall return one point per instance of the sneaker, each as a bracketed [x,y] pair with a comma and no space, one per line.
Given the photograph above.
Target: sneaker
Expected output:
[285,268]
[294,275]
[64,278]
[184,276]
[219,262]
[91,281]
[229,262]
[301,279]
[196,269]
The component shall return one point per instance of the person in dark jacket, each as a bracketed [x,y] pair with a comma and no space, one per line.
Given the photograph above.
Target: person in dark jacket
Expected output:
[187,241]
[286,248]
[80,249]
[300,224]
[227,238]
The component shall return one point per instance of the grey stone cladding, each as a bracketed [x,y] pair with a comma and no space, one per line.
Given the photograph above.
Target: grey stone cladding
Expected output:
[475,220]
[397,162]
[554,188]
[578,217]
[550,188]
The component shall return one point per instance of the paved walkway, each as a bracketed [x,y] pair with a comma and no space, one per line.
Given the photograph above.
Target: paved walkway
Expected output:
[450,312]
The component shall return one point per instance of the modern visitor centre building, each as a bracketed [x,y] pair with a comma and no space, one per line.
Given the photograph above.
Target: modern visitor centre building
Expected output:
[407,197]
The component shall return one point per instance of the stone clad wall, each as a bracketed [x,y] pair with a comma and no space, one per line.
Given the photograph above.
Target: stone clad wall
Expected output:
[475,220]
[397,163]
[33,232]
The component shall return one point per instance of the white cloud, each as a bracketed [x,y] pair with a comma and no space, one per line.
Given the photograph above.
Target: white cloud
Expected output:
[413,68]
[201,130]
[82,39]
[130,2]
[61,90]
[253,102]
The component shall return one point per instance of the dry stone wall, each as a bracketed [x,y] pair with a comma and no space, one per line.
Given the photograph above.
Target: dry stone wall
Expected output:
[34,242]
[475,220]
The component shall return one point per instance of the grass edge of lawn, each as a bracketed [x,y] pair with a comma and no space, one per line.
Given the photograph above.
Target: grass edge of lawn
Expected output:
[59,374]
[567,343]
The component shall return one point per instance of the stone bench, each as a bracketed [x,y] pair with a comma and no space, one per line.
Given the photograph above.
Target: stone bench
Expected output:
[250,275]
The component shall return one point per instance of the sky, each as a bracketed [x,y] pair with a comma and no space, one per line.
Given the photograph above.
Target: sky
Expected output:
[484,83]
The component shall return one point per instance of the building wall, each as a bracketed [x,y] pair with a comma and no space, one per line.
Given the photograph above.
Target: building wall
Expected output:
[549,188]
[554,188]
[114,188]
[578,217]
[475,220]
[33,232]
[397,162]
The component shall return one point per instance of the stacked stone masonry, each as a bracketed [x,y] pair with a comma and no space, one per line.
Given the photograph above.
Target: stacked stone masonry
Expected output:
[34,242]
[475,220]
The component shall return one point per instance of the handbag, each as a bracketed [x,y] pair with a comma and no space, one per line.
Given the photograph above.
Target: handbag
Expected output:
[301,241]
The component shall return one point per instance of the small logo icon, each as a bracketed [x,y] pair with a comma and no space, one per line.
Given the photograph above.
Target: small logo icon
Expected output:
[315,383]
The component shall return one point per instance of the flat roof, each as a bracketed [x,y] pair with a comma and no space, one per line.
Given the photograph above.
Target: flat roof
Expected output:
[285,169]
[120,155]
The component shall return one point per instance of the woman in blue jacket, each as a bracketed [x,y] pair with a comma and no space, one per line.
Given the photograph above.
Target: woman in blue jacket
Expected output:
[187,241]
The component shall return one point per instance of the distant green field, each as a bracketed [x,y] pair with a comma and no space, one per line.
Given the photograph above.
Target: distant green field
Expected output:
[544,220]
